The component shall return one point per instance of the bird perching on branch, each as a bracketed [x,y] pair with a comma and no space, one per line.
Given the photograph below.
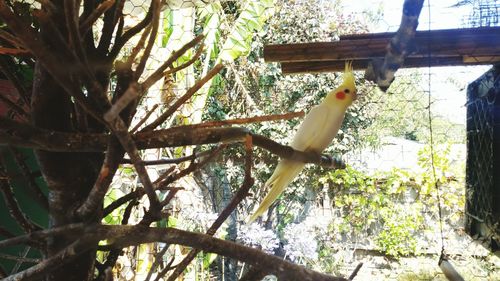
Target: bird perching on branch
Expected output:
[319,128]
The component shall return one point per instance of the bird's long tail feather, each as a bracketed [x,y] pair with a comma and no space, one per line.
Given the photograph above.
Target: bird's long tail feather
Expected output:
[284,174]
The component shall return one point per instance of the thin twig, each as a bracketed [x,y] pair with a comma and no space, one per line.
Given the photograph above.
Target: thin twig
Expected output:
[5,66]
[171,161]
[92,18]
[231,206]
[152,37]
[115,253]
[167,268]
[240,121]
[355,271]
[13,206]
[72,25]
[138,47]
[144,119]
[12,105]
[157,260]
[13,40]
[159,73]
[121,40]
[32,184]
[123,101]
[178,103]
[19,259]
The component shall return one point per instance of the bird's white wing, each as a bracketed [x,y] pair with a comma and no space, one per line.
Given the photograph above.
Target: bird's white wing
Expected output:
[311,128]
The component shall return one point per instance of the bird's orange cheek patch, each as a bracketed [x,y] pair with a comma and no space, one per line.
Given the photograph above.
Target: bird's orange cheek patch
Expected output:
[340,95]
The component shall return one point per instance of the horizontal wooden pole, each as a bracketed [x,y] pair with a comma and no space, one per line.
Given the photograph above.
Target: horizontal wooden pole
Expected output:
[449,45]
[361,64]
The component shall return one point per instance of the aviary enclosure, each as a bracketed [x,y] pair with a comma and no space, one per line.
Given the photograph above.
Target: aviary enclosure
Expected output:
[136,137]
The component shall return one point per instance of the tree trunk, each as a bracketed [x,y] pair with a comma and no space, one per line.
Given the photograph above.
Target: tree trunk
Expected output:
[69,176]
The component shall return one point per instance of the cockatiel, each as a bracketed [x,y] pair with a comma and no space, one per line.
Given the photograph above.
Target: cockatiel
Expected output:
[315,133]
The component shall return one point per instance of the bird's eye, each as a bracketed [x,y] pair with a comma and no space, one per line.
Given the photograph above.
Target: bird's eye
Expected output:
[346,91]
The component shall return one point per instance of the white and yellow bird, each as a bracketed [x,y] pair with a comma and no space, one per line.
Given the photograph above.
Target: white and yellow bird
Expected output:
[319,128]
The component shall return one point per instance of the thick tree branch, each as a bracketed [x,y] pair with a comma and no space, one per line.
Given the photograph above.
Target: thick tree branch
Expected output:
[29,136]
[401,45]
[124,236]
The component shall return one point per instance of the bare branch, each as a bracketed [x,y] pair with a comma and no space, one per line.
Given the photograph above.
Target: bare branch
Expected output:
[11,39]
[26,172]
[152,37]
[92,18]
[19,259]
[400,46]
[167,268]
[121,40]
[47,57]
[120,131]
[125,235]
[12,105]
[158,74]
[144,119]
[178,103]
[241,121]
[123,101]
[65,256]
[138,47]
[132,235]
[10,201]
[28,136]
[5,67]
[355,271]
[13,51]
[95,198]
[231,206]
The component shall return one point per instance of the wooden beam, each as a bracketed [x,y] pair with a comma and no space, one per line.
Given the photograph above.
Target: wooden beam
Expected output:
[445,47]
[361,64]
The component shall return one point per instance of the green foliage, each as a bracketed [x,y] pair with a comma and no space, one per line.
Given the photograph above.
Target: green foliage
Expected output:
[392,205]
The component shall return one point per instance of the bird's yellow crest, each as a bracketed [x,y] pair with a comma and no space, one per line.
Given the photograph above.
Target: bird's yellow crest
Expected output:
[346,92]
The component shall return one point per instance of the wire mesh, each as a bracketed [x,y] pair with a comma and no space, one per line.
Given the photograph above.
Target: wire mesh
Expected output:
[391,133]
[385,140]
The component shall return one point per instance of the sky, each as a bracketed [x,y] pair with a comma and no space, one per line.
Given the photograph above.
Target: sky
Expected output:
[448,84]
